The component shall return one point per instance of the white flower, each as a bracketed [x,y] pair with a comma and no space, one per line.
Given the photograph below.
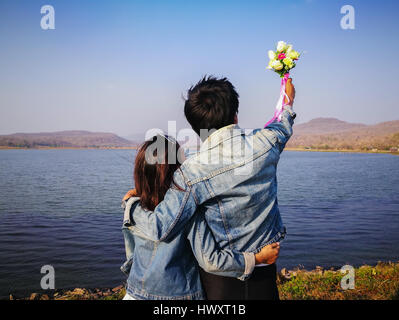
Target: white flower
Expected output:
[276,65]
[294,55]
[288,62]
[281,46]
[289,49]
[272,55]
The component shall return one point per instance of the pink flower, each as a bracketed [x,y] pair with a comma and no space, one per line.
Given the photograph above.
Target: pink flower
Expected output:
[281,56]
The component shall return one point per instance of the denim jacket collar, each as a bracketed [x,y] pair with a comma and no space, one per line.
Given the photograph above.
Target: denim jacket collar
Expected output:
[223,134]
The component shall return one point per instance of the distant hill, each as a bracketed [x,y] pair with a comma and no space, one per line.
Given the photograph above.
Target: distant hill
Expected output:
[65,139]
[320,133]
[331,133]
[326,125]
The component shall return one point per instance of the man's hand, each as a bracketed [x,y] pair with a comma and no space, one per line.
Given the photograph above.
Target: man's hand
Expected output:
[268,254]
[290,91]
[129,194]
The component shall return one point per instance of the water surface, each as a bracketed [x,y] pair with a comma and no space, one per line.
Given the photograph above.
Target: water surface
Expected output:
[62,208]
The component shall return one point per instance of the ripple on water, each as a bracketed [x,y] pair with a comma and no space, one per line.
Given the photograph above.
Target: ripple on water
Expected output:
[338,209]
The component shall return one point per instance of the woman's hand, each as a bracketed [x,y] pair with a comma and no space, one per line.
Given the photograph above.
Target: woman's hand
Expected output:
[129,194]
[268,254]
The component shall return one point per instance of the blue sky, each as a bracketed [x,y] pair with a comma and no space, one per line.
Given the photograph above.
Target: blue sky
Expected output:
[123,66]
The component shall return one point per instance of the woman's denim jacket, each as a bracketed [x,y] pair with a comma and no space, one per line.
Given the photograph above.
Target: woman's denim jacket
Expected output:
[233,180]
[169,270]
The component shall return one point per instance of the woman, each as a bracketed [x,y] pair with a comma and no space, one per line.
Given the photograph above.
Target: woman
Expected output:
[169,270]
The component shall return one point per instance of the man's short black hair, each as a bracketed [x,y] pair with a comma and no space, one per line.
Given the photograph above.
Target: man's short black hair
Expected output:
[211,104]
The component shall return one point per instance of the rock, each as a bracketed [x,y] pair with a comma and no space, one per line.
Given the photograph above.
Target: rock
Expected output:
[118,288]
[285,274]
[319,270]
[34,296]
[78,291]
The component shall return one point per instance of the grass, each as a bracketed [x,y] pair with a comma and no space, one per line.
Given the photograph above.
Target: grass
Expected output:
[116,296]
[380,282]
[371,283]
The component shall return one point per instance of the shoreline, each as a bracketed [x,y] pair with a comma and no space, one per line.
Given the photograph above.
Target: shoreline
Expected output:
[343,151]
[69,148]
[379,282]
[135,148]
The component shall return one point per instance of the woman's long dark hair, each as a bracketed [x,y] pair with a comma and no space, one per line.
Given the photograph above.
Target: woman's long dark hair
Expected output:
[156,162]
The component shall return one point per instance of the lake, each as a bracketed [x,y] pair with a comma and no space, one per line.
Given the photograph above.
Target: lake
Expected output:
[62,208]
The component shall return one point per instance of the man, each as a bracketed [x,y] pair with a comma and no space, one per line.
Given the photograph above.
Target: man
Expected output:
[232,179]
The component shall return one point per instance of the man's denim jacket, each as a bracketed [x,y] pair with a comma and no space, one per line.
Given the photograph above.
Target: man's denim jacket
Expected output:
[169,270]
[233,180]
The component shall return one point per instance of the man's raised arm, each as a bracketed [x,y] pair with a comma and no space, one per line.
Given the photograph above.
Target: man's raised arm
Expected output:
[279,132]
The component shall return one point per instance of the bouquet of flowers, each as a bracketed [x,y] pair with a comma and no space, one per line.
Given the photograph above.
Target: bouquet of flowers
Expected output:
[282,61]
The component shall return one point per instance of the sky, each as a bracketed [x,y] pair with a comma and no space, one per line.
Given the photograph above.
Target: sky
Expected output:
[125,66]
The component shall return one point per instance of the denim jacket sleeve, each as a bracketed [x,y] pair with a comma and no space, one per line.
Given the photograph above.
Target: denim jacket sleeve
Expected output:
[171,215]
[281,131]
[127,235]
[211,258]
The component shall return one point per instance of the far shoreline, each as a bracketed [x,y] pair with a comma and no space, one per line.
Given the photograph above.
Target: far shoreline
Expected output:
[343,151]
[136,147]
[68,148]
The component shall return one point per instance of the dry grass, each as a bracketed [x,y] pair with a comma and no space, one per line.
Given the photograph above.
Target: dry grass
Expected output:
[380,282]
[371,283]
